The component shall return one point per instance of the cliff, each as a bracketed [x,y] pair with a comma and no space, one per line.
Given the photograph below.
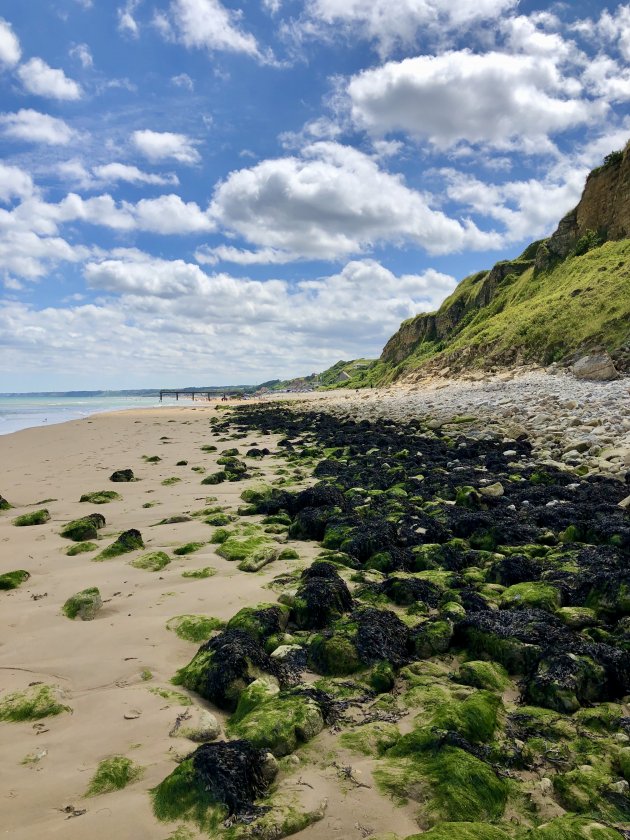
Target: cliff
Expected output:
[563,295]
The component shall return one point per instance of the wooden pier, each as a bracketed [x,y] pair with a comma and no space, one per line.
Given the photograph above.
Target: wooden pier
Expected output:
[189,392]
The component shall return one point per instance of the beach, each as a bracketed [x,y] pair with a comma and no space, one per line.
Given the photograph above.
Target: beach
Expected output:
[114,673]
[98,665]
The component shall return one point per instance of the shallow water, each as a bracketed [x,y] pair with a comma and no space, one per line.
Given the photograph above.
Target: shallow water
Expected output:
[25,412]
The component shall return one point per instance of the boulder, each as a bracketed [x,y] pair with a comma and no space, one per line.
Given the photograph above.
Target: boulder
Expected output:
[83,605]
[598,367]
[197,725]
[122,476]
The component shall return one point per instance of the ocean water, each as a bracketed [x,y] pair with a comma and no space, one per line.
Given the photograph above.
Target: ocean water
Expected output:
[25,412]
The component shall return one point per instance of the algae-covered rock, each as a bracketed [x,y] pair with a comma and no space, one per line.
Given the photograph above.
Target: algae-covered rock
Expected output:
[122,476]
[482,674]
[34,703]
[322,597]
[573,828]
[128,541]
[101,497]
[86,528]
[218,780]
[451,784]
[462,831]
[277,722]
[153,562]
[564,681]
[194,628]
[590,790]
[334,655]
[198,725]
[4,505]
[432,637]
[36,517]
[577,618]
[251,552]
[371,738]
[531,595]
[81,548]
[224,666]
[262,621]
[11,580]
[84,604]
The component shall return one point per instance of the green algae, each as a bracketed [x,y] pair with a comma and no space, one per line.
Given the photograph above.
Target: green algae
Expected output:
[482,674]
[128,541]
[372,739]
[475,718]
[462,831]
[531,595]
[11,580]
[112,774]
[35,703]
[254,621]
[175,698]
[194,628]
[81,548]
[182,796]
[84,604]
[101,497]
[453,785]
[155,561]
[573,828]
[86,528]
[37,517]
[168,482]
[188,548]
[333,656]
[200,574]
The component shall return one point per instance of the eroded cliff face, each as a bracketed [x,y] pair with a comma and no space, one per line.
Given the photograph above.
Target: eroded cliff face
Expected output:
[604,209]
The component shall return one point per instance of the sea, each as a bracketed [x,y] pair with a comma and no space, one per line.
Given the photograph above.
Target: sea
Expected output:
[27,411]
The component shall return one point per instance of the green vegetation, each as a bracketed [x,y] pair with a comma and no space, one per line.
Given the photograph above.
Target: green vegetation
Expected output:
[481,674]
[188,548]
[113,773]
[11,580]
[37,517]
[170,481]
[194,628]
[175,698]
[153,562]
[183,796]
[35,703]
[128,541]
[200,574]
[86,528]
[101,497]
[81,548]
[84,604]
[531,595]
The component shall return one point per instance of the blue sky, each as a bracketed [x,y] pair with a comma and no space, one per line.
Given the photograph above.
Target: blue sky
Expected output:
[196,191]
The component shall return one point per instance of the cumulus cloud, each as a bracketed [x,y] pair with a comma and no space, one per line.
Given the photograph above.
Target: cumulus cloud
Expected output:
[14,183]
[392,25]
[207,24]
[127,24]
[331,202]
[38,78]
[241,256]
[10,51]
[112,172]
[166,145]
[458,96]
[35,127]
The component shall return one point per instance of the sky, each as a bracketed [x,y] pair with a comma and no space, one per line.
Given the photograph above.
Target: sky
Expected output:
[208,192]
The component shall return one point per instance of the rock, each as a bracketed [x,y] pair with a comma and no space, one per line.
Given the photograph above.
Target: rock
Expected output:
[83,529]
[492,491]
[122,476]
[198,726]
[625,503]
[83,605]
[598,367]
[4,505]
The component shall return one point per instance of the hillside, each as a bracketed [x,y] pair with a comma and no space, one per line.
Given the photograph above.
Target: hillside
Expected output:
[561,297]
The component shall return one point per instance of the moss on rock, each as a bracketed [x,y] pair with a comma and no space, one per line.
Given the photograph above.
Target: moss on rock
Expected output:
[128,541]
[155,561]
[36,517]
[35,703]
[101,497]
[81,548]
[482,674]
[86,528]
[277,723]
[531,595]
[84,604]
[194,628]
[11,580]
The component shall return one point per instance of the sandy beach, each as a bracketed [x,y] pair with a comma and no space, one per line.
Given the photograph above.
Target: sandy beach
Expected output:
[98,665]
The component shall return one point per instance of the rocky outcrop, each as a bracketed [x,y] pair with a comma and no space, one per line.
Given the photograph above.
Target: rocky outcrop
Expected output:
[603,211]
[597,367]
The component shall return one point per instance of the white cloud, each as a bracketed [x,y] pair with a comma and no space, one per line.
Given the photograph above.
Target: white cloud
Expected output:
[168,214]
[240,256]
[31,256]
[165,145]
[492,98]
[183,80]
[207,24]
[331,202]
[127,24]
[14,183]
[392,25]
[35,127]
[10,51]
[112,172]
[38,78]
[74,171]
[171,317]
[82,53]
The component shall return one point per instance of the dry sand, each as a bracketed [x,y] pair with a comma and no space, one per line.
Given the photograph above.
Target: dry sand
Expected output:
[98,664]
